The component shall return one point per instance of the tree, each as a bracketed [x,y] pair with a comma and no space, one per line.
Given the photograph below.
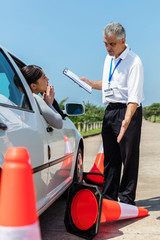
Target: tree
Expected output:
[153,110]
[92,114]
[62,103]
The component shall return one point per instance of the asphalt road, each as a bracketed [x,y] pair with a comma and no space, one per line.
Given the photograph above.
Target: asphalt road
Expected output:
[148,196]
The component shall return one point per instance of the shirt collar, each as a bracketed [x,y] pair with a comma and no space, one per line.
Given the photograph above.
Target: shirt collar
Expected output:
[124,53]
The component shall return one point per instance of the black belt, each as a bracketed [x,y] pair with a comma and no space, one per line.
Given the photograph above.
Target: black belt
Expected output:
[117,105]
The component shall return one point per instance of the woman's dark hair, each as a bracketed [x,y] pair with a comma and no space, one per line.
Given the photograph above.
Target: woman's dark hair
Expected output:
[31,73]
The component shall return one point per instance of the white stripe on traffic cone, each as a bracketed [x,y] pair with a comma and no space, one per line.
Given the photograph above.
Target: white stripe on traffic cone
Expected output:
[30,232]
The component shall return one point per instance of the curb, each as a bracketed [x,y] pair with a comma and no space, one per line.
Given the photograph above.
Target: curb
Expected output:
[91,135]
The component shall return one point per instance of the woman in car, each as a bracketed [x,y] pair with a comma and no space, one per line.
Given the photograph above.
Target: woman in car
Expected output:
[38,83]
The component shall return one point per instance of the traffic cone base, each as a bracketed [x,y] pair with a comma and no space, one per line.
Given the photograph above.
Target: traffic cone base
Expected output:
[30,232]
[95,175]
[85,211]
[82,213]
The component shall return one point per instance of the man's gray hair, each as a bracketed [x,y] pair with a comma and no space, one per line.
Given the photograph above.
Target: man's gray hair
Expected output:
[114,28]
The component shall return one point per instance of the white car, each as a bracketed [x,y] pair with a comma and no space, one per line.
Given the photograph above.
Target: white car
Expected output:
[56,155]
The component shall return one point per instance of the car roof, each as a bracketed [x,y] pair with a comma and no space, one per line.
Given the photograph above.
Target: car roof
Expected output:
[19,62]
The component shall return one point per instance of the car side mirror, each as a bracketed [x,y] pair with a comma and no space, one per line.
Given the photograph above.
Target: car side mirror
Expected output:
[74,109]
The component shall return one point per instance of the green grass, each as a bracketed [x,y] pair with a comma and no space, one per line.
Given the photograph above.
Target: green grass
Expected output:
[91,132]
[154,119]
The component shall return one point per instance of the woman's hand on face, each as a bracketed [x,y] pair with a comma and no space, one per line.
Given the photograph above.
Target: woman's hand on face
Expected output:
[49,95]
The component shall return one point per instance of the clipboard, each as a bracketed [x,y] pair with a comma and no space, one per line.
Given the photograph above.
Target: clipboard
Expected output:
[76,79]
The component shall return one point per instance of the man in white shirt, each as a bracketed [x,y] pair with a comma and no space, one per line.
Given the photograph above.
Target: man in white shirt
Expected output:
[122,91]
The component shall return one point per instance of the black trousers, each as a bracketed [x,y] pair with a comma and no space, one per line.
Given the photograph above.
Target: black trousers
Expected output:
[126,152]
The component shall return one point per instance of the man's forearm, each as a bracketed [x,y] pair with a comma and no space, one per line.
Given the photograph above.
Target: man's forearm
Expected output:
[94,84]
[131,108]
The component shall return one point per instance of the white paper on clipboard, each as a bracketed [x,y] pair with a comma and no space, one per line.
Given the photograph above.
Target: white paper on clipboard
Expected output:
[76,79]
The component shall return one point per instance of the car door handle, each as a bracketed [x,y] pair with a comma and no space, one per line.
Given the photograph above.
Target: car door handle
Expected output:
[3,126]
[49,129]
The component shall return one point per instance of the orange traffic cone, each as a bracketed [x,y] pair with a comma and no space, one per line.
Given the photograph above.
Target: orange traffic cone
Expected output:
[67,164]
[95,175]
[18,214]
[112,210]
[86,209]
[68,148]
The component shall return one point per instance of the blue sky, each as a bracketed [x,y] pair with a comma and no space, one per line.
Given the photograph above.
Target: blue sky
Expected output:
[55,34]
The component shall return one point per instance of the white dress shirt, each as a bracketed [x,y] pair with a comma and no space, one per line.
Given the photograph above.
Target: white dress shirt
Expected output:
[127,79]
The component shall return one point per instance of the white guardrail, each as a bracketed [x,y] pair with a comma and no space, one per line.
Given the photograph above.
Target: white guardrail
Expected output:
[86,126]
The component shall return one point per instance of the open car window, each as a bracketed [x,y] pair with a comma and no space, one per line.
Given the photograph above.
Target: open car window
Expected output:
[11,88]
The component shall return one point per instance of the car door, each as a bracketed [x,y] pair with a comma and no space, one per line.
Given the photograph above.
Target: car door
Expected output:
[26,127]
[57,155]
[62,160]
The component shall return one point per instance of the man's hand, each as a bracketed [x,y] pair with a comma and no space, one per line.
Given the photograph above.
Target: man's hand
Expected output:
[124,127]
[131,108]
[94,84]
[49,95]
[84,79]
